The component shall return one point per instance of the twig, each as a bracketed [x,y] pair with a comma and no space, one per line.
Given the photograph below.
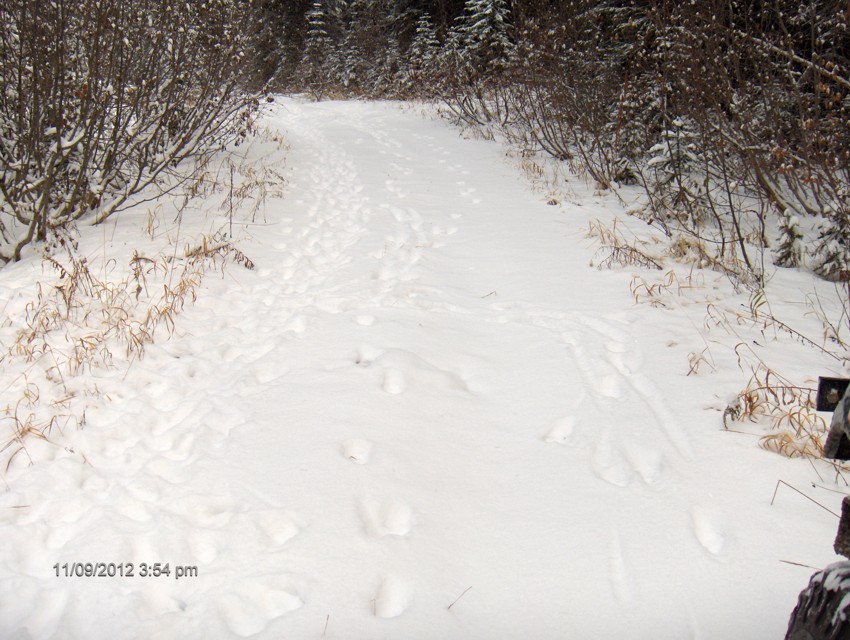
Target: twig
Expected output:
[802,338]
[746,433]
[809,458]
[328,619]
[802,494]
[841,493]
[449,608]
[797,564]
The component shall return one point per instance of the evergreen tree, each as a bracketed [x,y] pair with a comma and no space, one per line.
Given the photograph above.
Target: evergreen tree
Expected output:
[481,36]
[425,45]
[421,56]
[318,35]
[832,251]
[351,61]
[789,253]
[316,47]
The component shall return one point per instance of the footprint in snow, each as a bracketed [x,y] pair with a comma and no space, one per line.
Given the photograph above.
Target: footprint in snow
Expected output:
[619,576]
[561,430]
[609,464]
[626,360]
[649,463]
[397,518]
[366,355]
[393,597]
[394,382]
[708,529]
[266,371]
[364,320]
[296,324]
[202,546]
[279,526]
[391,518]
[203,511]
[251,606]
[609,386]
[358,451]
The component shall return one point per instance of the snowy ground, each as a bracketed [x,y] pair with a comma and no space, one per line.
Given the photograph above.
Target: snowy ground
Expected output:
[422,415]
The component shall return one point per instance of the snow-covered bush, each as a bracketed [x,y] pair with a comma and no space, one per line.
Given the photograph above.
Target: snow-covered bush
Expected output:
[101,99]
[732,115]
[789,253]
[832,251]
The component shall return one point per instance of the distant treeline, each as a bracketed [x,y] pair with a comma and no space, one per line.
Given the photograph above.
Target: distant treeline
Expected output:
[734,115]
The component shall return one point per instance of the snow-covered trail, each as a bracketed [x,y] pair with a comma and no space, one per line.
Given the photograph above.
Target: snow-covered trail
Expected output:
[421,397]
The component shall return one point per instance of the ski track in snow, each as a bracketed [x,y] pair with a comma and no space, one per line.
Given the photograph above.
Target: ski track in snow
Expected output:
[372,422]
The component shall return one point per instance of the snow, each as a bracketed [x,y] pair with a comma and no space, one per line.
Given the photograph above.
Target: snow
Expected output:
[422,415]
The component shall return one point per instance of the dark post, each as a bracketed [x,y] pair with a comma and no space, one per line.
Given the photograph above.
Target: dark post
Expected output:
[842,540]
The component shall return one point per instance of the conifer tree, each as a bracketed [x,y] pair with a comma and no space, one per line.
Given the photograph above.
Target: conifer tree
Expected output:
[420,60]
[349,54]
[424,46]
[482,37]
[316,60]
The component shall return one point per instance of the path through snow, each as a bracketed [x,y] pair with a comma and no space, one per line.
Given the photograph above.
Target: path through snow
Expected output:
[421,393]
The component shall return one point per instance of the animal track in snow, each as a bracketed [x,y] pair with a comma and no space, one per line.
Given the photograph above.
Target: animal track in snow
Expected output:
[366,355]
[401,369]
[296,324]
[708,530]
[202,546]
[405,171]
[608,462]
[251,606]
[437,230]
[603,380]
[358,451]
[617,463]
[390,518]
[615,374]
[397,518]
[364,320]
[620,582]
[203,510]
[561,430]
[278,526]
[394,382]
[608,386]
[393,597]
[624,358]
[398,192]
[649,463]
[267,371]
[655,400]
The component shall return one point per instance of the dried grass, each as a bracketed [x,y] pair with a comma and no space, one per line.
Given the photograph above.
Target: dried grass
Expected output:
[616,250]
[797,430]
[79,322]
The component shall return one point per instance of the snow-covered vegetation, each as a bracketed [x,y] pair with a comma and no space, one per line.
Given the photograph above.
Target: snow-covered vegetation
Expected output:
[104,98]
[733,116]
[456,319]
